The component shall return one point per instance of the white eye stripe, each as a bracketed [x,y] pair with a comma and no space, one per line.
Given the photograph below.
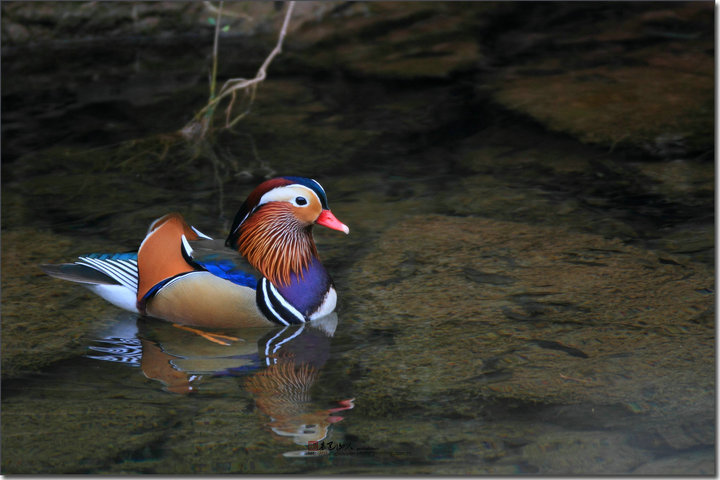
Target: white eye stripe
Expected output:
[289,193]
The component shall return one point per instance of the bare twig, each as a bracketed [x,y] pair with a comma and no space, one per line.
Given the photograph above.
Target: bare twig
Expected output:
[231,86]
[236,83]
[215,50]
[251,92]
[229,13]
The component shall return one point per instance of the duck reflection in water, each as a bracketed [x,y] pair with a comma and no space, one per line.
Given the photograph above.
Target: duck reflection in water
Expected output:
[279,367]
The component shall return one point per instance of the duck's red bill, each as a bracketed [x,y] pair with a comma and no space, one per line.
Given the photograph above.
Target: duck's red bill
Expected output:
[327,219]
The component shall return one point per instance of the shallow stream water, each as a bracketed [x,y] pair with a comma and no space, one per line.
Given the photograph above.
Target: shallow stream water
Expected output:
[511,300]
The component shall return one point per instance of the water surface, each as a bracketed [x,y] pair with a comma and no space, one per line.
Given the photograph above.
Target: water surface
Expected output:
[511,300]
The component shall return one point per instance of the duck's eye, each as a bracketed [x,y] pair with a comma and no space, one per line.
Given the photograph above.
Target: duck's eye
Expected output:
[301,201]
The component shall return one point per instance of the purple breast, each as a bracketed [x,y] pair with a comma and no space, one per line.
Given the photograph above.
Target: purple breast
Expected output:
[306,292]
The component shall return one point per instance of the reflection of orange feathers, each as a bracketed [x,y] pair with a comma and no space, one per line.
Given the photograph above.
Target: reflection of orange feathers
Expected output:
[273,248]
[282,391]
[156,365]
[160,254]
[283,388]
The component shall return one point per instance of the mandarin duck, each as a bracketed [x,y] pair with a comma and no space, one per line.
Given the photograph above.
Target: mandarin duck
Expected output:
[171,279]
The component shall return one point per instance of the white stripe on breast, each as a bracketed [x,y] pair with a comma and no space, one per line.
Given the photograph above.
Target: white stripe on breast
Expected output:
[285,303]
[266,299]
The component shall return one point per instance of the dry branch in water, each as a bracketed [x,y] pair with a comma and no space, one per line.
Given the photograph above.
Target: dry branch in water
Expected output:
[200,124]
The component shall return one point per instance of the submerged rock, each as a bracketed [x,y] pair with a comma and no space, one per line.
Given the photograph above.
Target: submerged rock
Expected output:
[42,322]
[576,318]
[513,326]
[636,76]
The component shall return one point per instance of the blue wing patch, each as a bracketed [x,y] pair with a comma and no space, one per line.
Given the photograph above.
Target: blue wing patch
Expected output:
[113,256]
[226,269]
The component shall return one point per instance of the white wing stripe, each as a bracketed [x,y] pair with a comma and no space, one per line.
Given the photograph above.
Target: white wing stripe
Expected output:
[186,246]
[125,275]
[200,234]
[114,267]
[115,272]
[129,269]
